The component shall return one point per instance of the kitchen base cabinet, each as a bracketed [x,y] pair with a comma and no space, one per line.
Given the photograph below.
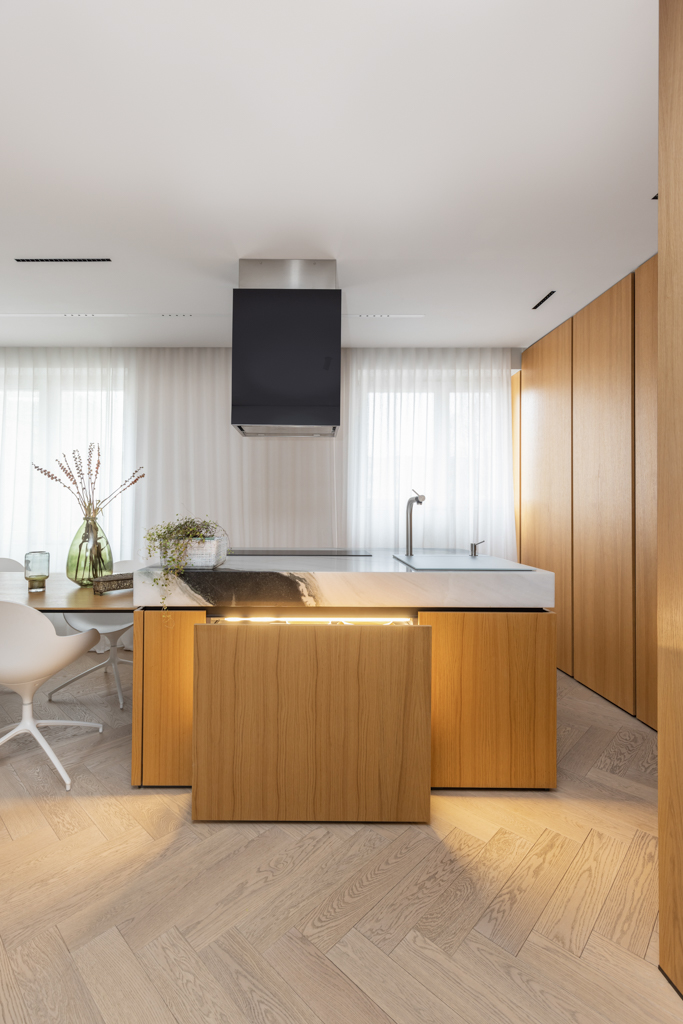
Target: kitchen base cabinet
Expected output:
[494,714]
[318,722]
[311,723]
[163,672]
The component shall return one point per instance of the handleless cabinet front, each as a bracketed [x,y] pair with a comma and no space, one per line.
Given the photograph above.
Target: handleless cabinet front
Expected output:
[162,697]
[311,723]
[493,699]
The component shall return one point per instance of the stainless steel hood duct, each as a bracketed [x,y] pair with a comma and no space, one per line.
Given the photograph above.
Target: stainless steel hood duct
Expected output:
[286,353]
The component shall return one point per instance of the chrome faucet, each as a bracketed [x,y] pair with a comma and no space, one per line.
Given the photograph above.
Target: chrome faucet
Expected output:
[473,548]
[417,500]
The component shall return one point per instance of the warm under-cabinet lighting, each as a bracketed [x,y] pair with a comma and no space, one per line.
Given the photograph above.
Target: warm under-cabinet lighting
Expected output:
[336,620]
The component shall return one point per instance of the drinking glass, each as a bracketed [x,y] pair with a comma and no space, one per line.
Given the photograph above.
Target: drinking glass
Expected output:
[36,569]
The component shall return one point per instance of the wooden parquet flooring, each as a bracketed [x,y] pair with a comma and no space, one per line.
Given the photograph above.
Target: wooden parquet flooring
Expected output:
[510,907]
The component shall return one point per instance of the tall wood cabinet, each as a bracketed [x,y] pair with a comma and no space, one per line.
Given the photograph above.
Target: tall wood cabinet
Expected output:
[646,491]
[589,487]
[603,495]
[546,472]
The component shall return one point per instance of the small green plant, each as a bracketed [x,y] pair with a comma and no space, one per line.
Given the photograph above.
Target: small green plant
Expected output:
[172,540]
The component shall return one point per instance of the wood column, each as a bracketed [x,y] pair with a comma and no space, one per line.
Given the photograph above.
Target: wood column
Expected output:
[670,490]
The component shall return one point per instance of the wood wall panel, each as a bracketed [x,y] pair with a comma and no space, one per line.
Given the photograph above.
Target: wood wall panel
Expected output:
[546,472]
[670,491]
[603,495]
[515,392]
[646,490]
[167,697]
[312,723]
[493,699]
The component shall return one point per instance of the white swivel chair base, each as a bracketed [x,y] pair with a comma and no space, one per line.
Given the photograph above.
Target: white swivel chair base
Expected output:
[29,724]
[113,660]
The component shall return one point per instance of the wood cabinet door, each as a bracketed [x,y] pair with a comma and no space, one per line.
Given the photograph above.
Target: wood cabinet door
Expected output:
[311,722]
[646,491]
[603,495]
[493,699]
[165,705]
[546,473]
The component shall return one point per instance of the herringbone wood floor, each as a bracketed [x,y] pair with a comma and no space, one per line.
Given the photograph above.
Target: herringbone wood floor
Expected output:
[523,907]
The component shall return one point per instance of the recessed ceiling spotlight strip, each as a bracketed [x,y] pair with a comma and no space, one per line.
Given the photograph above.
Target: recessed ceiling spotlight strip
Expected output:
[387,316]
[67,259]
[544,299]
[110,314]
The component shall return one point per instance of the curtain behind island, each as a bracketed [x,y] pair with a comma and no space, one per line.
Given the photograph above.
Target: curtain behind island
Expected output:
[434,419]
[439,421]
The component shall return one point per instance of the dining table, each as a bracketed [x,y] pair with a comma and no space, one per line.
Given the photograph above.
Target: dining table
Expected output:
[62,595]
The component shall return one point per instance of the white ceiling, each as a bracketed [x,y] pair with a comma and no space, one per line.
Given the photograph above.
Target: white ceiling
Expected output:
[459,158]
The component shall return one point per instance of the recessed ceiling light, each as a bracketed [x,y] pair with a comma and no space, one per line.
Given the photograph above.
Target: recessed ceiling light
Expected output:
[67,259]
[110,314]
[387,316]
[544,299]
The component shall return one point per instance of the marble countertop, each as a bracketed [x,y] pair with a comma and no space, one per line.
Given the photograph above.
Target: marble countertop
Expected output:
[377,561]
[309,581]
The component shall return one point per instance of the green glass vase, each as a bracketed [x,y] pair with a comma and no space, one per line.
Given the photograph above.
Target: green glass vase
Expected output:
[89,555]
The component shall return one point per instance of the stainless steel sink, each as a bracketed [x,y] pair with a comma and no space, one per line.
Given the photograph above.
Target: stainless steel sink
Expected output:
[461,563]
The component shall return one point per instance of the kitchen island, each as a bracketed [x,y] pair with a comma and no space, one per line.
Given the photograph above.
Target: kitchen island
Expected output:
[257,653]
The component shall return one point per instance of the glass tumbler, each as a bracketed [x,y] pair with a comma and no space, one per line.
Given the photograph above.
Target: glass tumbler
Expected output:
[36,569]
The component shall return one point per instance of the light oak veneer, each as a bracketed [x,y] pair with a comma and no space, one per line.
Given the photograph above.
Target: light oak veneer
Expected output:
[493,698]
[546,473]
[646,490]
[670,489]
[162,700]
[61,595]
[311,723]
[603,495]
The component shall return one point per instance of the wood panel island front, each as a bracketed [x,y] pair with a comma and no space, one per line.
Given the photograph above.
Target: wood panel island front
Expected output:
[340,688]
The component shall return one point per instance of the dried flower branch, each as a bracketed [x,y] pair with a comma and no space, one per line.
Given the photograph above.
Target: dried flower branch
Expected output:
[82,482]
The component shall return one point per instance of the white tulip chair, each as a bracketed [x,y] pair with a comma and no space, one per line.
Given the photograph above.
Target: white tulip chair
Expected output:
[112,626]
[30,653]
[10,565]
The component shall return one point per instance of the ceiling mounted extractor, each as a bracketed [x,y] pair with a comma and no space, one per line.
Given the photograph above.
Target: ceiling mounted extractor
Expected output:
[286,349]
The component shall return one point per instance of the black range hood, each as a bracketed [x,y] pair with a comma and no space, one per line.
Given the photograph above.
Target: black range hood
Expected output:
[286,350]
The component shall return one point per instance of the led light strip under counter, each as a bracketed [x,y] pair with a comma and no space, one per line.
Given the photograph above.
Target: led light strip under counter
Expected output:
[332,621]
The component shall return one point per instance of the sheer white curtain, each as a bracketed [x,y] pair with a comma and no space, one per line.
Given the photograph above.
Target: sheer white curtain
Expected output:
[166,409]
[266,492]
[51,401]
[439,421]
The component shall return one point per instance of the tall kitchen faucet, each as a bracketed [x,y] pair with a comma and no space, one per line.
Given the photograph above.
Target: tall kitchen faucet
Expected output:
[417,500]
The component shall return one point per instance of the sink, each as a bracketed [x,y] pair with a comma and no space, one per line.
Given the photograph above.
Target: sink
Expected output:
[461,563]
